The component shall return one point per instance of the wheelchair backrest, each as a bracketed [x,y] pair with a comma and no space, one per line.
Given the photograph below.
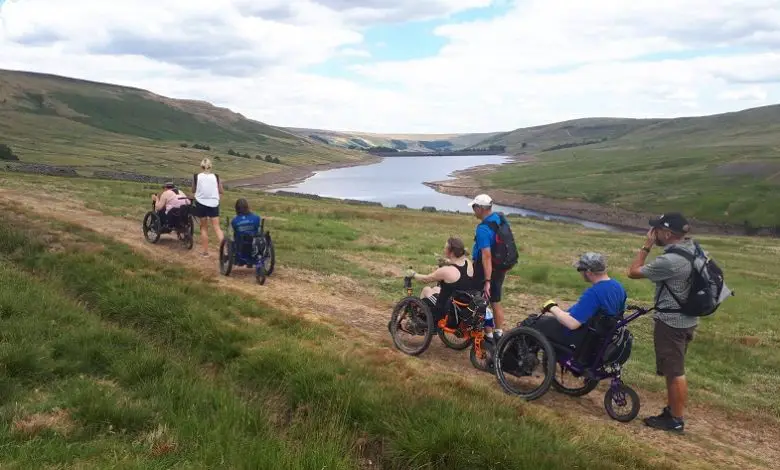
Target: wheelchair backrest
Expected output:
[469,305]
[601,329]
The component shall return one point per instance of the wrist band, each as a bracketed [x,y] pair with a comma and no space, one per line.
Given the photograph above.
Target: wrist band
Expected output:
[646,250]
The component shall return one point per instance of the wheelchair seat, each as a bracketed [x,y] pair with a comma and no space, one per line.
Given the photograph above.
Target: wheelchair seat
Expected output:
[468,305]
[600,329]
[249,246]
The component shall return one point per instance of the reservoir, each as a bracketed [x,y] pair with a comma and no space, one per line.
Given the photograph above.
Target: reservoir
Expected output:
[399,180]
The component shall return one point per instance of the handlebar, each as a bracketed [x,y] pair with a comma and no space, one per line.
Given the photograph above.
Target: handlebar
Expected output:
[638,309]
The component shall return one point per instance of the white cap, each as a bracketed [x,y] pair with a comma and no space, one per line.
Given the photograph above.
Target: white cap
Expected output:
[481,200]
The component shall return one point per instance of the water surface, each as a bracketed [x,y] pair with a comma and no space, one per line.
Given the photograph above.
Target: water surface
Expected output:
[399,180]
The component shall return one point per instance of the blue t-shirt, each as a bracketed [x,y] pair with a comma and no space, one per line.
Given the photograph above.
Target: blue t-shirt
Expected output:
[486,238]
[246,223]
[607,296]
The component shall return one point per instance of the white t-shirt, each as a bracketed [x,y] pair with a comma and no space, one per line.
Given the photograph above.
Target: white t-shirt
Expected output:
[207,190]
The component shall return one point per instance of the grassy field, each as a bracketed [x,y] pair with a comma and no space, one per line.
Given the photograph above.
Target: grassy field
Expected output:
[112,360]
[94,126]
[733,361]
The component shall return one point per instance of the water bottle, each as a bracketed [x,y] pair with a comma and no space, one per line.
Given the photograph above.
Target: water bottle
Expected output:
[488,313]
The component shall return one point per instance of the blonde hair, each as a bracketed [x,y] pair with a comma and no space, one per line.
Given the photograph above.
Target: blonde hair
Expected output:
[205,164]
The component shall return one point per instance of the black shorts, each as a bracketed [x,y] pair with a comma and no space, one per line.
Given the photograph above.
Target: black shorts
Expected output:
[201,211]
[496,281]
[671,345]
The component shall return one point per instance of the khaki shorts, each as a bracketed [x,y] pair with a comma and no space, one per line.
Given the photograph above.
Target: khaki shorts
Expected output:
[671,344]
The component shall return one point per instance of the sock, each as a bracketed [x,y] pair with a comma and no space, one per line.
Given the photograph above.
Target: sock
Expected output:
[499,332]
[489,335]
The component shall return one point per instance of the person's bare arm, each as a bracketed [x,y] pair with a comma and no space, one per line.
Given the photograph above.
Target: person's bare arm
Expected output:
[219,185]
[160,202]
[487,265]
[635,271]
[564,318]
[440,274]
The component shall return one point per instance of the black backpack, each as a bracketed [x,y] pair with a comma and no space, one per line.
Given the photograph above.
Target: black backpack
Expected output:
[504,251]
[708,288]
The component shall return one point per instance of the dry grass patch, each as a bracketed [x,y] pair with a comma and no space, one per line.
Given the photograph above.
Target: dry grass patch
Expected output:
[57,420]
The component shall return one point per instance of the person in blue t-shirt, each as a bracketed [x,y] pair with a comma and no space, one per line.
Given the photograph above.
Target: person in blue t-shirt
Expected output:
[245,222]
[492,283]
[606,296]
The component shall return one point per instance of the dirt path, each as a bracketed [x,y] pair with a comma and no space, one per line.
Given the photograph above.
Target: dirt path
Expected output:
[712,437]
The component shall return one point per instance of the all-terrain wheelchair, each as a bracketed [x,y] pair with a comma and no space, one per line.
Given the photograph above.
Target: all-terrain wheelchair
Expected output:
[178,220]
[527,363]
[248,250]
[412,325]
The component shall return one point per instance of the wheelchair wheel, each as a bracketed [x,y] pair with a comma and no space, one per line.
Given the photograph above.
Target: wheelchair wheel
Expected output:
[412,318]
[260,275]
[525,363]
[484,361]
[190,234]
[567,383]
[186,234]
[226,256]
[271,255]
[458,341]
[622,403]
[151,227]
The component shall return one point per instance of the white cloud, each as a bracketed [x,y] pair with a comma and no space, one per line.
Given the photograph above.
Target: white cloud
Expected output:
[354,52]
[744,94]
[545,60]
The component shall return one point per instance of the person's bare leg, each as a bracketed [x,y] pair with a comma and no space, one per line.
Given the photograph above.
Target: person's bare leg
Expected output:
[677,390]
[498,315]
[204,235]
[217,229]
[426,292]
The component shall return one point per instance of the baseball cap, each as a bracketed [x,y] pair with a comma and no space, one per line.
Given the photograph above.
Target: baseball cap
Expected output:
[593,262]
[481,200]
[169,184]
[673,221]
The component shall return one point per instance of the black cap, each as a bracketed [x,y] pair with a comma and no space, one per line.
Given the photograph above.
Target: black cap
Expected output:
[673,221]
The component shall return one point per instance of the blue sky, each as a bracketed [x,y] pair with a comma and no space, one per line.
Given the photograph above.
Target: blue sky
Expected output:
[414,66]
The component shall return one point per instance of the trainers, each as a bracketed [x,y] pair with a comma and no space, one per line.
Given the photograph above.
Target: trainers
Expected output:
[666,423]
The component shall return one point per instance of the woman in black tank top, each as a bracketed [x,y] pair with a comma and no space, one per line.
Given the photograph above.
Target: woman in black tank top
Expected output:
[456,274]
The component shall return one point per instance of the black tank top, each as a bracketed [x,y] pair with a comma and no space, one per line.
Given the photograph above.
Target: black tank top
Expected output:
[464,282]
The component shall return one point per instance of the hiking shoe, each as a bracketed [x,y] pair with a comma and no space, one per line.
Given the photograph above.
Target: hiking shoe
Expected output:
[666,423]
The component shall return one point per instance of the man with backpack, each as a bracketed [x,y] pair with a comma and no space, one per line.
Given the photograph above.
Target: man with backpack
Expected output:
[688,285]
[494,254]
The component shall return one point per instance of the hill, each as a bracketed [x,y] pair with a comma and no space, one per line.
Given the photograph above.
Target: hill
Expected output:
[719,168]
[97,126]
[403,142]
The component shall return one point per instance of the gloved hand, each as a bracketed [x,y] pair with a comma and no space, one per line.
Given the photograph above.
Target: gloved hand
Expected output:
[548,305]
[409,273]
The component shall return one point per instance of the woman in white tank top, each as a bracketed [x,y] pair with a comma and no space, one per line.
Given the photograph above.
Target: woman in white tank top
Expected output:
[207,189]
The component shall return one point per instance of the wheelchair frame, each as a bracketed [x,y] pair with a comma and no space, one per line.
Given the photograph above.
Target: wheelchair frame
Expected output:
[153,228]
[264,263]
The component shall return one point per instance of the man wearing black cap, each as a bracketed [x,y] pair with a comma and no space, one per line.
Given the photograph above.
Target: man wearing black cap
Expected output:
[673,331]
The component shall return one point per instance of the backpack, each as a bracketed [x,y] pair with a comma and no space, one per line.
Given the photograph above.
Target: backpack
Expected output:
[708,288]
[504,251]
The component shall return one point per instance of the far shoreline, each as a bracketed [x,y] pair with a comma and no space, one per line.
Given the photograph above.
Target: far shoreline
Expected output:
[466,183]
[294,175]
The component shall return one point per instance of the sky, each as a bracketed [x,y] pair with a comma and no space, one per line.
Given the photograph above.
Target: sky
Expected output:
[413,66]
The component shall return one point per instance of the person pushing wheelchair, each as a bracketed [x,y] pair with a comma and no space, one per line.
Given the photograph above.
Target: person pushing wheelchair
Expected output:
[605,296]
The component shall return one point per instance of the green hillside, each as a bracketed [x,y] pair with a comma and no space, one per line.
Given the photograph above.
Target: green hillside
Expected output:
[95,126]
[720,168]
[404,142]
